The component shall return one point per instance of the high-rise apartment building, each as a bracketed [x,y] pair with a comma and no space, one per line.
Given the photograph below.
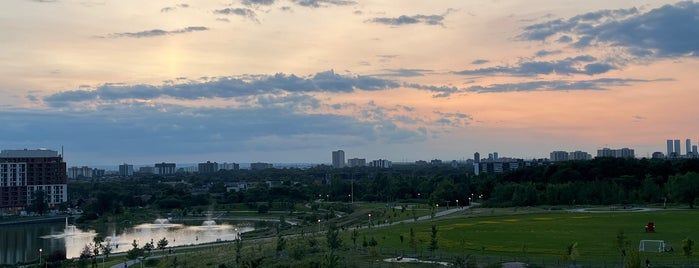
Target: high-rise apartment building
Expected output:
[619,153]
[678,150]
[356,162]
[338,158]
[208,167]
[125,170]
[688,147]
[24,172]
[165,168]
[381,163]
[670,149]
[557,156]
[260,166]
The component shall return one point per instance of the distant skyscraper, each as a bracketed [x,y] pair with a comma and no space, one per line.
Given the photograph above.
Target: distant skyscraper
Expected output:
[338,159]
[669,148]
[477,157]
[678,150]
[688,147]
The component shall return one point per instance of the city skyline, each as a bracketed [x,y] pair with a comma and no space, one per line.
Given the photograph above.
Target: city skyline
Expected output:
[291,80]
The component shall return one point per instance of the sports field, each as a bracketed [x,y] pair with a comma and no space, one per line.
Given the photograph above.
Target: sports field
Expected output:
[546,235]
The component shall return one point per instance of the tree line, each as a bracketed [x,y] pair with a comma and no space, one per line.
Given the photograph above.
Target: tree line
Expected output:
[600,181]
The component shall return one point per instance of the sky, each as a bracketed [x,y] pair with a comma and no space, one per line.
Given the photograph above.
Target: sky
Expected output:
[290,81]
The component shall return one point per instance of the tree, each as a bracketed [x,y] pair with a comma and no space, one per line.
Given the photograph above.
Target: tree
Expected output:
[433,240]
[281,244]
[572,252]
[687,245]
[334,243]
[333,238]
[39,204]
[634,260]
[148,247]
[684,188]
[107,249]
[134,252]
[162,243]
[238,249]
[412,242]
[622,243]
[355,234]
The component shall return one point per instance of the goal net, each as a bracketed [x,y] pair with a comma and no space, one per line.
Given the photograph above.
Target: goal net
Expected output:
[652,245]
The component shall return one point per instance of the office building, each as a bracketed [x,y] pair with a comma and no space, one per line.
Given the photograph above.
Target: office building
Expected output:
[338,158]
[678,151]
[23,172]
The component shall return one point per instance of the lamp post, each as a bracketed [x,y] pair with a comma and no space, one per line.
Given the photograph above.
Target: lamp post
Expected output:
[40,251]
[457,203]
[369,220]
[319,225]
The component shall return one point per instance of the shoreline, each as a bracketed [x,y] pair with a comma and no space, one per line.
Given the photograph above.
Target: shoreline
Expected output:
[37,219]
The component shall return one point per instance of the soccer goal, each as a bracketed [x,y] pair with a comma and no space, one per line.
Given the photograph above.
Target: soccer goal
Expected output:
[652,245]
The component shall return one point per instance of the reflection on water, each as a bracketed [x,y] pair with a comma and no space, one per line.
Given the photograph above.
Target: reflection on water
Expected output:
[21,243]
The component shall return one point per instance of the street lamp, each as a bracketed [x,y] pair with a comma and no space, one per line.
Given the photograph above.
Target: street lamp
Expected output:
[457,203]
[40,250]
[370,220]
[319,225]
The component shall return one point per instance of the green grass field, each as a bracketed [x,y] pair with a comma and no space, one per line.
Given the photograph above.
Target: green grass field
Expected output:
[546,235]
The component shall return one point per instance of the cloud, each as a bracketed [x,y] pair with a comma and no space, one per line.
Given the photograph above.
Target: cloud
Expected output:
[664,32]
[170,130]
[479,61]
[406,72]
[408,20]
[226,87]
[243,12]
[173,8]
[584,64]
[453,119]
[440,91]
[323,3]
[544,53]
[559,85]
[158,32]
[258,2]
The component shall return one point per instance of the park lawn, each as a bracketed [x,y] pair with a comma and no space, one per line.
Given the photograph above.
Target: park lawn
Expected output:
[546,235]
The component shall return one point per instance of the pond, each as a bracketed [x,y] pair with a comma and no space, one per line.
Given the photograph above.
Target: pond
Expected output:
[25,242]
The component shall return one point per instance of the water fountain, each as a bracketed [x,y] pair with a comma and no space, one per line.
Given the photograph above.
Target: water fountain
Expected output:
[159,223]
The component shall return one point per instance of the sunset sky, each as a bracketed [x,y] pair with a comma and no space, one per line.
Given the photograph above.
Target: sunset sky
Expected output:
[292,80]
